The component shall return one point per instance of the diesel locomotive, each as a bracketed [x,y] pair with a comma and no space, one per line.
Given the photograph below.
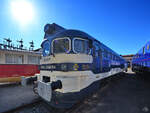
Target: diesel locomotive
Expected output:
[72,65]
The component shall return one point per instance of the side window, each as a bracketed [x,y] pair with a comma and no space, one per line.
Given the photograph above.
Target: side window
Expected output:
[114,57]
[104,53]
[111,56]
[46,48]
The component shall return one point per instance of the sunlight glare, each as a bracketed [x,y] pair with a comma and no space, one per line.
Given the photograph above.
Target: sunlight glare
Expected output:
[22,10]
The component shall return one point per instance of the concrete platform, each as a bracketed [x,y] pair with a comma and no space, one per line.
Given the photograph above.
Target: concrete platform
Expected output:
[13,96]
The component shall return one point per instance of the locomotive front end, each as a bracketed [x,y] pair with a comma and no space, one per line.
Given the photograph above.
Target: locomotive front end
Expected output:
[64,68]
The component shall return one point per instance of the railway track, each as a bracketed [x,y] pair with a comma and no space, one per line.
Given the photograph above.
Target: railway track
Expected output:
[42,107]
[15,110]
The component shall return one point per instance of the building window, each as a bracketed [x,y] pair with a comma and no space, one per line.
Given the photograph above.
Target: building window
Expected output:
[33,59]
[13,59]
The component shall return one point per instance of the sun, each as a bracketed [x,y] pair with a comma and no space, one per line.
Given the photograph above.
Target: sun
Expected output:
[22,10]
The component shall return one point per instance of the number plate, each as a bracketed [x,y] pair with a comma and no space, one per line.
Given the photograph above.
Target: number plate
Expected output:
[44,90]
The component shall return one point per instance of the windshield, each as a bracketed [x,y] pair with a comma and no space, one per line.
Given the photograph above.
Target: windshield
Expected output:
[81,46]
[46,48]
[61,45]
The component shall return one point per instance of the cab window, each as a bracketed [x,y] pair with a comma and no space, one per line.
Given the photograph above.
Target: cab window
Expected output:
[46,48]
[61,45]
[81,46]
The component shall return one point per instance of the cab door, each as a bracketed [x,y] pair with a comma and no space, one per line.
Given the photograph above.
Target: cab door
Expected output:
[97,58]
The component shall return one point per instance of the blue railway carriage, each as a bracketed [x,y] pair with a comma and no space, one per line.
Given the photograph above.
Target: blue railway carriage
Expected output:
[72,65]
[141,60]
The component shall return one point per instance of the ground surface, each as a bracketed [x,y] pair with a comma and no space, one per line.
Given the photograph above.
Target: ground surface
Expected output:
[127,93]
[12,96]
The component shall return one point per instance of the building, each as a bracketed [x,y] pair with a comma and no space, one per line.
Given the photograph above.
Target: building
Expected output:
[128,58]
[19,57]
[16,62]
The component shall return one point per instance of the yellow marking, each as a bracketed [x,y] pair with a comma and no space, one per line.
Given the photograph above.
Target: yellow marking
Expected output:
[75,67]
[147,47]
[10,79]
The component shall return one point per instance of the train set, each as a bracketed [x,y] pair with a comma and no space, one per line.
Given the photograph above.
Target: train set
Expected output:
[72,65]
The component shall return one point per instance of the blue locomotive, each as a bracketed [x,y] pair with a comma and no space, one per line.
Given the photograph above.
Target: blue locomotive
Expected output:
[72,65]
[141,60]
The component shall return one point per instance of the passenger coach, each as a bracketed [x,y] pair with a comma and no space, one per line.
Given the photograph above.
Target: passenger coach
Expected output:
[141,60]
[72,65]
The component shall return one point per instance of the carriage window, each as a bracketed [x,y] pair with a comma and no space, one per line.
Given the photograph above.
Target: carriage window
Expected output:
[105,53]
[109,55]
[81,46]
[61,45]
[113,57]
[46,48]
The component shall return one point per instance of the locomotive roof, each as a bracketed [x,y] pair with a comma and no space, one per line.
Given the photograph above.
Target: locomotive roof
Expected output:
[70,33]
[62,32]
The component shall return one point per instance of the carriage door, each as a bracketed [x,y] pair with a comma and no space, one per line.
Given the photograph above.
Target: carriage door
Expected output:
[96,58]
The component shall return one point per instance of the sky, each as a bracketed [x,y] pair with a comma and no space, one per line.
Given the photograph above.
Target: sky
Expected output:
[122,25]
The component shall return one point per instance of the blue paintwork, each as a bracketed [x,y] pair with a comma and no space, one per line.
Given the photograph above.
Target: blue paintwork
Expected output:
[141,60]
[104,63]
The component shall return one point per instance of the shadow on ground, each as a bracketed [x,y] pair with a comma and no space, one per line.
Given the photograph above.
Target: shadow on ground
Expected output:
[126,93]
